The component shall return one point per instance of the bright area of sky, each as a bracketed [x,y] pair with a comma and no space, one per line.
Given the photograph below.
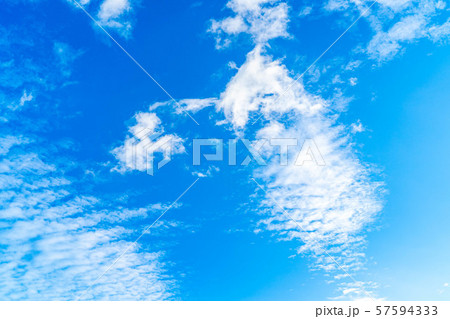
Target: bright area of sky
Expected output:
[370,223]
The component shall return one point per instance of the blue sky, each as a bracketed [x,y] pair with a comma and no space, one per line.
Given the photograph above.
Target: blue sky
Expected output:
[370,223]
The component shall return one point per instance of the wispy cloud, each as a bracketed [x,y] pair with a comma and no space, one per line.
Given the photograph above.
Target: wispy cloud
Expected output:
[114,14]
[398,22]
[186,105]
[262,19]
[65,55]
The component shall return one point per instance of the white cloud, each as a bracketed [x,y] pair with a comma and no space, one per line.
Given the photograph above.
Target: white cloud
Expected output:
[353,65]
[185,105]
[305,11]
[195,105]
[259,86]
[440,32]
[206,173]
[17,105]
[66,55]
[56,242]
[337,79]
[7,142]
[357,291]
[113,14]
[357,127]
[111,9]
[146,140]
[385,45]
[248,88]
[391,5]
[25,98]
[395,5]
[397,23]
[335,202]
[262,19]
